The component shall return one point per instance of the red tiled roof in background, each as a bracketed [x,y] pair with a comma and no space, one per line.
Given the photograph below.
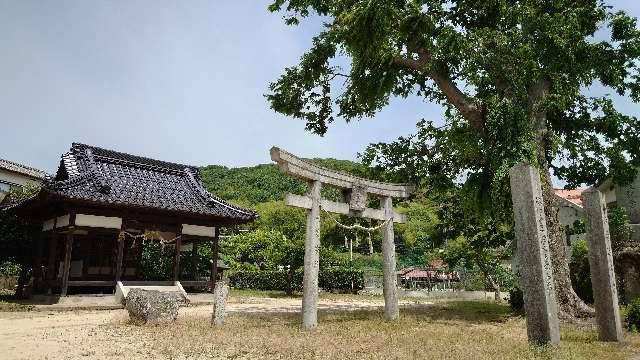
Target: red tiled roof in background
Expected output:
[417,273]
[573,195]
[438,264]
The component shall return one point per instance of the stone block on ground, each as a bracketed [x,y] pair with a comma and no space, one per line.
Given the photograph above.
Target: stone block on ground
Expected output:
[151,306]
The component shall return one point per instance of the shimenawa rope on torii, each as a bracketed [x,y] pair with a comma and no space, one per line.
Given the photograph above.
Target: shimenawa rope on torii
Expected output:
[147,236]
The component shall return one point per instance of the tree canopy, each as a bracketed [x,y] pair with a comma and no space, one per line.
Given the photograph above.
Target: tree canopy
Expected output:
[493,65]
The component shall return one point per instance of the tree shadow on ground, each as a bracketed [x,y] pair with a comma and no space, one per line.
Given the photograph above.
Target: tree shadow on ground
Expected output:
[476,312]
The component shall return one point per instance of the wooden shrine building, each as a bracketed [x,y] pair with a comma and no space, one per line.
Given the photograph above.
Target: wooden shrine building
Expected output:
[102,205]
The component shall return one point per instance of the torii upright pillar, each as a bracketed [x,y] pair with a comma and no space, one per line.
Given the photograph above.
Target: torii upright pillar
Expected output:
[389,278]
[311,259]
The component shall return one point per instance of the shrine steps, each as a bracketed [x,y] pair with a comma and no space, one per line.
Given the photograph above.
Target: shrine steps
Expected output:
[171,287]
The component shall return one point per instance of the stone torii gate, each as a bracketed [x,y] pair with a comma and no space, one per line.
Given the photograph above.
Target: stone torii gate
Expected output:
[354,191]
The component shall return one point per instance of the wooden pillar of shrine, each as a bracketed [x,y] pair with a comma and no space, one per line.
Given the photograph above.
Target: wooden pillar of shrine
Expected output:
[119,256]
[176,259]
[194,259]
[37,258]
[139,250]
[67,262]
[214,257]
[51,263]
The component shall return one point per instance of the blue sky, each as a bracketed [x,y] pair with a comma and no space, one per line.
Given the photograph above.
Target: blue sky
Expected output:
[180,81]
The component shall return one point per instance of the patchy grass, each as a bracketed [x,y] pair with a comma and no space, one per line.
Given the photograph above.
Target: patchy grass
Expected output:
[9,303]
[454,330]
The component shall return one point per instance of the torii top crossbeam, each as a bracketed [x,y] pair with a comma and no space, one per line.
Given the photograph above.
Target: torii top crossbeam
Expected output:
[355,189]
[300,168]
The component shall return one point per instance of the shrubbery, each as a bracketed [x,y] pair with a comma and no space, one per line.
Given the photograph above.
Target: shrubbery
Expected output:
[266,280]
[330,279]
[632,323]
[9,268]
[516,299]
[580,272]
[341,279]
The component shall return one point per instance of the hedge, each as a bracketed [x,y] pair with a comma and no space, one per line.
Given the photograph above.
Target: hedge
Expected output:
[341,279]
[330,279]
[265,280]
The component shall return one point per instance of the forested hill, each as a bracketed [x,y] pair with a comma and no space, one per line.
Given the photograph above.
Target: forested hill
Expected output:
[265,182]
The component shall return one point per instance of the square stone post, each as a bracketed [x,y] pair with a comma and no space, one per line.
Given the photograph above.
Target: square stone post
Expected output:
[628,197]
[603,278]
[311,260]
[390,280]
[533,255]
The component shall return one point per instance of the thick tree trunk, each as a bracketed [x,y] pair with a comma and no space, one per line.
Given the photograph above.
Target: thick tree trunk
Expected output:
[569,304]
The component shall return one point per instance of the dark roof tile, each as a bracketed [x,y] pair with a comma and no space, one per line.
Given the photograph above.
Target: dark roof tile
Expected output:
[93,174]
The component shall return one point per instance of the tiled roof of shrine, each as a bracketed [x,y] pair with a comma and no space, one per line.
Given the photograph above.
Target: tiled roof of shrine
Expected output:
[91,174]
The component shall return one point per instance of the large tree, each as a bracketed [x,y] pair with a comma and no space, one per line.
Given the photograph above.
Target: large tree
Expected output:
[510,74]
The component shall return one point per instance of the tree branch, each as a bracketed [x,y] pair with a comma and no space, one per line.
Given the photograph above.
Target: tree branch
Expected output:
[454,95]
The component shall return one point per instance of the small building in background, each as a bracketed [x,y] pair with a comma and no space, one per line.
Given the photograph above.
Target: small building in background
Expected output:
[14,175]
[436,275]
[569,205]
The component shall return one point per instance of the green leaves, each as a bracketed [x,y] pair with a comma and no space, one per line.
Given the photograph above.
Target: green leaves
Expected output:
[466,53]
[597,142]
[304,91]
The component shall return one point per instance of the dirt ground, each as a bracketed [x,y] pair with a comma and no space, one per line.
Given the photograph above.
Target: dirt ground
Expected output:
[92,334]
[268,328]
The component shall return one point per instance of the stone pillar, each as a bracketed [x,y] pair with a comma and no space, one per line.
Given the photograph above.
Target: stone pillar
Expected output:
[603,279]
[628,196]
[390,280]
[311,260]
[631,283]
[534,261]
[220,295]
